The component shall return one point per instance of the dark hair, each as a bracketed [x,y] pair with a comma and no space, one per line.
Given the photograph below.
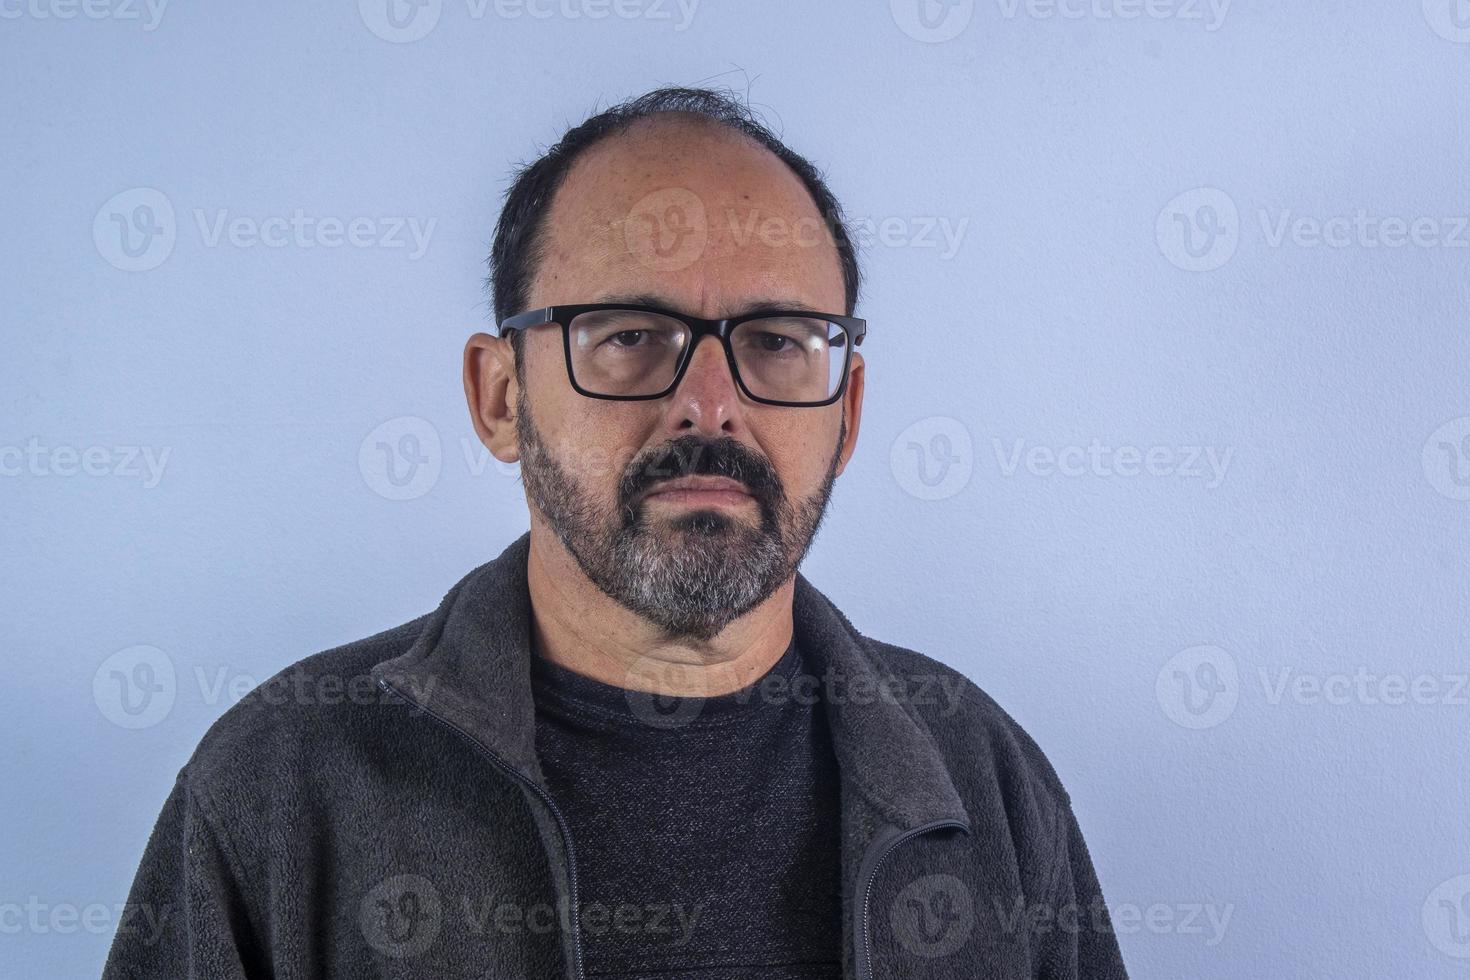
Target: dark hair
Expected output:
[520,233]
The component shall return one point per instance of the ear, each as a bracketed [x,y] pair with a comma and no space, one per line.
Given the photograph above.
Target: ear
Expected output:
[490,388]
[852,406]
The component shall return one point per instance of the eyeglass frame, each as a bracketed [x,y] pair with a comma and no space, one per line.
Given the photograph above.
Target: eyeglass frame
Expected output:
[562,315]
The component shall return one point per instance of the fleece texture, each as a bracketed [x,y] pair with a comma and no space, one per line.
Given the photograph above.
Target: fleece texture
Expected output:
[379,810]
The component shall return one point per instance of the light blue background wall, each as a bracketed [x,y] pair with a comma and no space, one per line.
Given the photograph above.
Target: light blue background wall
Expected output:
[1244,822]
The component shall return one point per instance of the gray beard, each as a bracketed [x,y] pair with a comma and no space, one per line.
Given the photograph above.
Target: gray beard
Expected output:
[691,575]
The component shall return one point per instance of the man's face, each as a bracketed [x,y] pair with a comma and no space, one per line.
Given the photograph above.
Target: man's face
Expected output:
[706,223]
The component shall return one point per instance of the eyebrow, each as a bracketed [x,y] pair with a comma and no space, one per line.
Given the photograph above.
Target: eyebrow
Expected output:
[754,308]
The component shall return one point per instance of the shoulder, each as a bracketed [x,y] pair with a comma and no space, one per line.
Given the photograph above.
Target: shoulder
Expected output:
[286,721]
[984,746]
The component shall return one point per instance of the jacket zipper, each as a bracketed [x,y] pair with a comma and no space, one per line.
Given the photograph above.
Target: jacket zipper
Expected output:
[566,836]
[865,964]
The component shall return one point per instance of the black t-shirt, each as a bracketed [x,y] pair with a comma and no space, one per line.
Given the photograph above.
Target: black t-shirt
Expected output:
[706,830]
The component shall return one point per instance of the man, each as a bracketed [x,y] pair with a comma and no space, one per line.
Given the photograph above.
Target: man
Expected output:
[638,743]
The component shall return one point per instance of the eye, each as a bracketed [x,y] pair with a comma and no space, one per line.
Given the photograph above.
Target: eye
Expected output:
[626,338]
[768,342]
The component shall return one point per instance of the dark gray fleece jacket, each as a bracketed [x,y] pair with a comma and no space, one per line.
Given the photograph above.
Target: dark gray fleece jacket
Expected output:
[377,810]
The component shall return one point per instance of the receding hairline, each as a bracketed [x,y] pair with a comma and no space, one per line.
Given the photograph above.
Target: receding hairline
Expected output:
[650,128]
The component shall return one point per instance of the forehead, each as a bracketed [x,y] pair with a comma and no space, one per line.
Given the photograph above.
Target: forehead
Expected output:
[688,210]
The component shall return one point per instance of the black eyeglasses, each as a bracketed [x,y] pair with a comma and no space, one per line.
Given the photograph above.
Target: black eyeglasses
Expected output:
[625,352]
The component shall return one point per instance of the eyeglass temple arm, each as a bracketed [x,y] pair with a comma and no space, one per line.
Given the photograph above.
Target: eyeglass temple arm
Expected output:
[530,318]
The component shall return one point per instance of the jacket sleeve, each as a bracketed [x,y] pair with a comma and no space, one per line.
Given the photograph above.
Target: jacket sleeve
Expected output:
[1084,945]
[185,917]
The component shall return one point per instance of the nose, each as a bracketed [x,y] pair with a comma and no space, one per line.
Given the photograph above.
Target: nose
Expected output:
[707,400]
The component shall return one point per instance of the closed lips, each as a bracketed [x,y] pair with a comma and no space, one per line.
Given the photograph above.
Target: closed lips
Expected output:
[700,483]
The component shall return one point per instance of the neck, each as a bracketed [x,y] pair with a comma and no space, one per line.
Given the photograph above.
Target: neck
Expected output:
[576,626]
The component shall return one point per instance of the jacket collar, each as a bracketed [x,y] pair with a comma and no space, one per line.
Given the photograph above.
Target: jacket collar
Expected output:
[470,666]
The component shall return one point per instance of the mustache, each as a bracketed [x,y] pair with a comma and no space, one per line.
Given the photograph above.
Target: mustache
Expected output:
[694,456]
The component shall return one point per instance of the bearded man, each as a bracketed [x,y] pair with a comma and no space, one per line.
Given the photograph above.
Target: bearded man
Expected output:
[639,742]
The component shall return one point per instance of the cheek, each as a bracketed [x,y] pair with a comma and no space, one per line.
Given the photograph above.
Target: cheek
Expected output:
[802,454]
[597,441]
